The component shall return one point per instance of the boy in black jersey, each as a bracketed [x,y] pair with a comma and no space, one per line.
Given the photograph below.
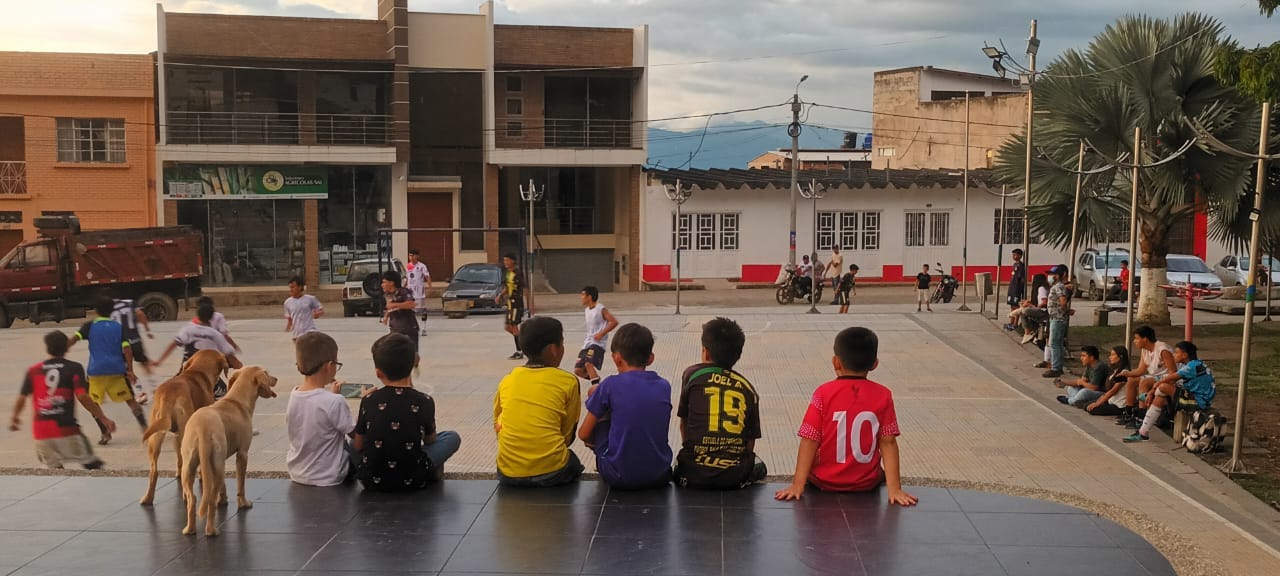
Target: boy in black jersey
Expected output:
[846,286]
[719,416]
[922,289]
[55,385]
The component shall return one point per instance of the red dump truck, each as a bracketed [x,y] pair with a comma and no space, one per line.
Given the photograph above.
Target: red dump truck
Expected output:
[58,275]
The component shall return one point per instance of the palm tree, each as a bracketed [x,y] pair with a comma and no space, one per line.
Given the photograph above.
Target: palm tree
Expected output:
[1139,72]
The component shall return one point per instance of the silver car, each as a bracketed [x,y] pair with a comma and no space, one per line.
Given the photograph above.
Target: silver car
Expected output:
[1184,269]
[1233,270]
[1098,270]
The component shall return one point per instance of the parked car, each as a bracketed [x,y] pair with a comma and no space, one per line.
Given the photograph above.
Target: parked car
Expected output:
[1186,269]
[362,292]
[1099,270]
[1233,270]
[479,285]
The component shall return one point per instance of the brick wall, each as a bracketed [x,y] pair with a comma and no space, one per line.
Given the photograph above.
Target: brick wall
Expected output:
[560,46]
[533,98]
[61,74]
[277,38]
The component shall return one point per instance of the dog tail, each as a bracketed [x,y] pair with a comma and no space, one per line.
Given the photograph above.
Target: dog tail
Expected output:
[161,422]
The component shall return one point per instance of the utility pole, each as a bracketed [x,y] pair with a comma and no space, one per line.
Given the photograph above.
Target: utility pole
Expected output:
[530,195]
[679,195]
[1133,239]
[964,227]
[794,131]
[1236,465]
[1033,47]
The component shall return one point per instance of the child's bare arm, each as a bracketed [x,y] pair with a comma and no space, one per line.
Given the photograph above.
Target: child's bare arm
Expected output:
[16,423]
[804,464]
[588,426]
[892,473]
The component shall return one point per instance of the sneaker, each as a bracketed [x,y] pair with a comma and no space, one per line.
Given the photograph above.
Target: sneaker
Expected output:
[1052,374]
[1027,338]
[515,356]
[141,397]
[1062,399]
[1136,437]
[1133,424]
[94,465]
[1041,365]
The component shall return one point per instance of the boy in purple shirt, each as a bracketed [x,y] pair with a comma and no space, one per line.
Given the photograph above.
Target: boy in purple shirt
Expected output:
[628,416]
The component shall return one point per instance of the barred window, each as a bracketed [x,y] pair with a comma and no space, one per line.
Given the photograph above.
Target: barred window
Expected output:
[848,230]
[680,232]
[870,231]
[1013,227]
[91,140]
[706,231]
[939,228]
[915,229]
[728,231]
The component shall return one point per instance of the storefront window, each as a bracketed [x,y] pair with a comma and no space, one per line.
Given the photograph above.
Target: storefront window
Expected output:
[249,242]
[359,204]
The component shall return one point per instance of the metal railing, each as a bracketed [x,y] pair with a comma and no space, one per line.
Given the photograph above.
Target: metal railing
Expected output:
[276,128]
[13,177]
[525,132]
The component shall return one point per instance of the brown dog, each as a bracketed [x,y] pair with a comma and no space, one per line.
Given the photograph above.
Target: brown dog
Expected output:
[215,433]
[175,401]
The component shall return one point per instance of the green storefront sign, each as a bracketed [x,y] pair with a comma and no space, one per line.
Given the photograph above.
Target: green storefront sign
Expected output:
[245,182]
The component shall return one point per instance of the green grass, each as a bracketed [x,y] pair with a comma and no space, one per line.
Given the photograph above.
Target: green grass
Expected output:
[1262,486]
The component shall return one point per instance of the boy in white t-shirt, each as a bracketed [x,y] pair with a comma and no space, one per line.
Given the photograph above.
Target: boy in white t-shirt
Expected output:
[318,418]
[419,279]
[301,309]
[600,322]
[199,335]
[219,322]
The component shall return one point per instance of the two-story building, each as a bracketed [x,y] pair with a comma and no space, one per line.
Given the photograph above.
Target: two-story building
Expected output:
[76,135]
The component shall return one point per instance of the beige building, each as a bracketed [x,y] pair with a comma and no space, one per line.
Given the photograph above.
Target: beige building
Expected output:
[919,118]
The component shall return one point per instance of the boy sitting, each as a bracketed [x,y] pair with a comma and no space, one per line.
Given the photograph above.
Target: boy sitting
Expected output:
[54,386]
[536,411]
[628,416]
[1192,376]
[318,418]
[396,443]
[850,427]
[719,416]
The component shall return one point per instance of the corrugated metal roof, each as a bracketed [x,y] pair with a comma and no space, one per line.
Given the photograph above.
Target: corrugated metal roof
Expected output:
[737,178]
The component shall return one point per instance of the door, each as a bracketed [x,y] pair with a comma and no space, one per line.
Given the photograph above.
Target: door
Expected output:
[435,248]
[9,239]
[33,269]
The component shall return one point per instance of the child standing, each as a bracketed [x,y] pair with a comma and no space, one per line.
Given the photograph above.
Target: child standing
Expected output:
[130,317]
[318,417]
[846,286]
[628,416]
[536,410]
[849,438]
[600,322]
[400,318]
[396,443]
[922,288]
[301,309]
[719,416]
[218,322]
[201,335]
[54,385]
[110,363]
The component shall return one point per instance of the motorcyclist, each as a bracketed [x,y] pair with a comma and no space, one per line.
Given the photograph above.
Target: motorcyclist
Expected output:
[803,272]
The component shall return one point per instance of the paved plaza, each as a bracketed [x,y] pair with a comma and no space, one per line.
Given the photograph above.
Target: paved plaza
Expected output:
[974,415]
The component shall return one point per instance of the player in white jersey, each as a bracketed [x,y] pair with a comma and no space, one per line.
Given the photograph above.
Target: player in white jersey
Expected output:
[600,322]
[419,281]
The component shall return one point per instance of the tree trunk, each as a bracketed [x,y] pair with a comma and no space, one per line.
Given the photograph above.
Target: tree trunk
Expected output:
[1153,304]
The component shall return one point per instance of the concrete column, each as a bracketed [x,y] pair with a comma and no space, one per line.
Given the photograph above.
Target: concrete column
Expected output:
[632,272]
[311,230]
[400,208]
[491,220]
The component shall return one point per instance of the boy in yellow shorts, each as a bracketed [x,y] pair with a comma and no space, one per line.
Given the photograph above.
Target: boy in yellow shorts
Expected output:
[110,363]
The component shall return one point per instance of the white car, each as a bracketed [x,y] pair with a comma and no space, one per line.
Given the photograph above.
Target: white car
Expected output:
[362,292]
[1184,269]
[1233,270]
[1098,270]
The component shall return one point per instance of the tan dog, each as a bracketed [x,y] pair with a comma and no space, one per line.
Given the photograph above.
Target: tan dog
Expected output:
[215,433]
[175,401]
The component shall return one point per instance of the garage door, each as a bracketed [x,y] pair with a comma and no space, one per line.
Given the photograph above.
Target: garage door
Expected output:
[436,248]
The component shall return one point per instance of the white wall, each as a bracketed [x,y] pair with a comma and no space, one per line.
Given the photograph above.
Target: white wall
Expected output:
[936,80]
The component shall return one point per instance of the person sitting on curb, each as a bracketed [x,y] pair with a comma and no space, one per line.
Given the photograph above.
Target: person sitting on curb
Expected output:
[1195,378]
[1155,363]
[1112,402]
[1092,385]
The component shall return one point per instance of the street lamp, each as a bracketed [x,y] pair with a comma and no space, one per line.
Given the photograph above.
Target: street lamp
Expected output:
[530,195]
[793,131]
[815,193]
[679,195]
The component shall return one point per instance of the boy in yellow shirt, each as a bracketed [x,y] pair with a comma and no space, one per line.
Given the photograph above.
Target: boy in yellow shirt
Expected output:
[535,412]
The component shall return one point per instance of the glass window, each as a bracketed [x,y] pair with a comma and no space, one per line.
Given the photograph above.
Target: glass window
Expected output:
[359,203]
[515,106]
[826,230]
[515,84]
[680,233]
[849,230]
[1184,265]
[515,129]
[870,231]
[37,255]
[915,229]
[249,242]
[728,231]
[706,232]
[91,140]
[939,228]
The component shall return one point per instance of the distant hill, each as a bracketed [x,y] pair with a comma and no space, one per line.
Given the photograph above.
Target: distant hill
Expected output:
[731,145]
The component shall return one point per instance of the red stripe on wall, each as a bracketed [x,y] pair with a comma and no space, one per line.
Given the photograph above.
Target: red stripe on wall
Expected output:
[761,272]
[1201,239]
[656,273]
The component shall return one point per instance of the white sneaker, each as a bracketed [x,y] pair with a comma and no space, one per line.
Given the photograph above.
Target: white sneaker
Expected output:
[1027,338]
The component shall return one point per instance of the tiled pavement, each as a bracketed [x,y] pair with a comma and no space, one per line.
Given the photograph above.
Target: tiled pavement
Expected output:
[95,526]
[969,407]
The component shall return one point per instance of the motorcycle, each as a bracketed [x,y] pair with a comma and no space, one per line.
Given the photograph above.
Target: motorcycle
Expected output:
[790,289]
[946,289]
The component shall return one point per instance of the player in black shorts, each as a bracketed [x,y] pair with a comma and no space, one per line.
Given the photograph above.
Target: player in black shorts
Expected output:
[513,290]
[846,286]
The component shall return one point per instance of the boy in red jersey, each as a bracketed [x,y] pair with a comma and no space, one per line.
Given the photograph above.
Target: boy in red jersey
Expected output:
[55,385]
[849,438]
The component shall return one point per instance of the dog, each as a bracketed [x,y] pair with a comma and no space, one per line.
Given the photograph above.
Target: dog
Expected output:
[175,401]
[217,432]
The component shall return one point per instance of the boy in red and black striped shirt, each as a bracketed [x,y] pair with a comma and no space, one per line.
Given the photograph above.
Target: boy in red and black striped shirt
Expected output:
[54,386]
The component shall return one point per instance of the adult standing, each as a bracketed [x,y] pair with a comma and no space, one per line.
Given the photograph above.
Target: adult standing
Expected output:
[419,277]
[1018,283]
[835,269]
[513,291]
[1059,310]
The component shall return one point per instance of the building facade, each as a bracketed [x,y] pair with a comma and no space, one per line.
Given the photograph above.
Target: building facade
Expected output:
[834,159]
[77,134]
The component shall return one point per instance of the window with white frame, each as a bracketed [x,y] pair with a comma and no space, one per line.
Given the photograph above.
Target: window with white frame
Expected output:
[914,229]
[1013,227]
[91,140]
[928,229]
[706,231]
[939,228]
[848,230]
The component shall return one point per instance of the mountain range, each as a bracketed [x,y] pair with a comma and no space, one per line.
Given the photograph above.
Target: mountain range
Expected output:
[730,145]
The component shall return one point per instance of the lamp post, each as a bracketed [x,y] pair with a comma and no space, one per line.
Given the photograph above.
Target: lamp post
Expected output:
[793,131]
[814,193]
[678,195]
[964,226]
[530,195]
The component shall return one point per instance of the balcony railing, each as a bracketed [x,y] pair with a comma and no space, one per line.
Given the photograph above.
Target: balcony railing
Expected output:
[273,128]
[567,220]
[522,132]
[13,177]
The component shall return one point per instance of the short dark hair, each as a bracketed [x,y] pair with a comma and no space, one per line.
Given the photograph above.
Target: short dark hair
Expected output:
[723,339]
[204,300]
[539,333]
[299,281]
[313,350]
[414,252]
[1146,332]
[204,313]
[853,267]
[1017,251]
[925,266]
[395,355]
[634,343]
[593,292]
[857,348]
[104,306]
[1124,262]
[1092,351]
[1192,351]
[393,277]
[509,255]
[56,343]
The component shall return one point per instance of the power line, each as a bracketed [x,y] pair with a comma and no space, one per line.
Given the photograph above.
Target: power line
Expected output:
[894,115]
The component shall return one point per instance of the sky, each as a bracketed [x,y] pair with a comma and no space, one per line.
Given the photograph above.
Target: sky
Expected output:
[706,55]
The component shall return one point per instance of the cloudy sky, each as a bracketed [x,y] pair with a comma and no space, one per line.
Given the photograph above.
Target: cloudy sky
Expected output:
[757,49]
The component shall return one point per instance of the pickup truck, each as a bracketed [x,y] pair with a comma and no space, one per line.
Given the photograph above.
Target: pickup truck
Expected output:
[58,275]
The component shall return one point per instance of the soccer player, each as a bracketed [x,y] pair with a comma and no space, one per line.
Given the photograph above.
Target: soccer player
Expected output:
[600,322]
[513,291]
[54,386]
[419,280]
[110,363]
[301,309]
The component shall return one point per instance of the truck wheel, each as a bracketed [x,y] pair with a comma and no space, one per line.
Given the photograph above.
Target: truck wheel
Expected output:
[160,307]
[5,319]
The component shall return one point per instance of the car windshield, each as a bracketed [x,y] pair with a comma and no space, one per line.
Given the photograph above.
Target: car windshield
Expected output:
[1267,261]
[1187,265]
[477,275]
[361,270]
[1113,260]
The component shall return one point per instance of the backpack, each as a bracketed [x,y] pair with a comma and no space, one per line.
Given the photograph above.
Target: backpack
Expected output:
[1204,432]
